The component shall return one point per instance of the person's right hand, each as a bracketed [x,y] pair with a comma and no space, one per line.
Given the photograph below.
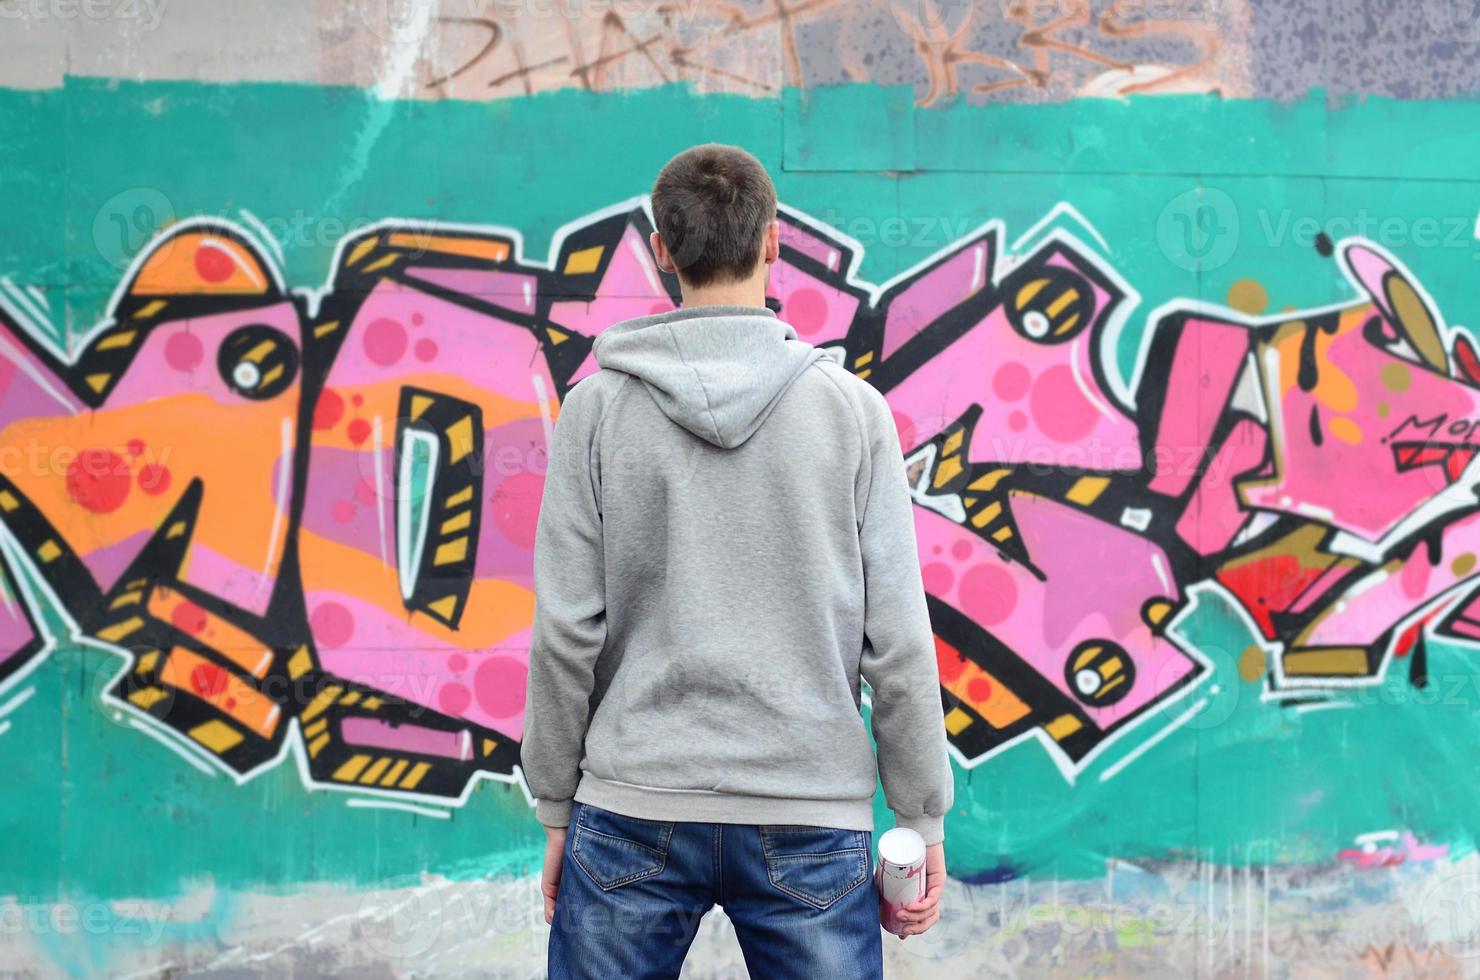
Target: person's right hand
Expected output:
[921,915]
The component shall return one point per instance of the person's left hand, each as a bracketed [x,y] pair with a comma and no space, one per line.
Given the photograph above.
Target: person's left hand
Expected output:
[919,916]
[550,879]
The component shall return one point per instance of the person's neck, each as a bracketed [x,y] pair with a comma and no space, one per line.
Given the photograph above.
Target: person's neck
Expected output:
[751,292]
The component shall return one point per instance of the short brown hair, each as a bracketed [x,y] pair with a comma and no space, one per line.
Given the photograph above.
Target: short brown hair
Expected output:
[712,204]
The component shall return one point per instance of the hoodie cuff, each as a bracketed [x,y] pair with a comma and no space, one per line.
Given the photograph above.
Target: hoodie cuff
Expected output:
[933,829]
[552,813]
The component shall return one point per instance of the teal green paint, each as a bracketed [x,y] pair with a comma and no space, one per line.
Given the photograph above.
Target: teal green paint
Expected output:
[102,810]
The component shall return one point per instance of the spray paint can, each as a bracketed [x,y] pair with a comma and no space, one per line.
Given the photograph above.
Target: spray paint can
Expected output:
[900,874]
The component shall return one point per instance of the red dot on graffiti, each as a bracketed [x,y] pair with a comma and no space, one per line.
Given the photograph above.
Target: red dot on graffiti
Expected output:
[136,447]
[357,400]
[1017,421]
[184,351]
[417,319]
[154,479]
[1060,409]
[187,617]
[332,624]
[99,480]
[457,663]
[805,309]
[660,307]
[499,683]
[454,699]
[329,410]
[426,349]
[342,511]
[961,549]
[359,431]
[385,341]
[212,263]
[938,578]
[364,492]
[988,594]
[516,505]
[980,689]
[1011,381]
[208,680]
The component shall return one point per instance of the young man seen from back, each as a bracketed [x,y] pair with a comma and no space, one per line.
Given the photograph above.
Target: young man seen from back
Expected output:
[725,548]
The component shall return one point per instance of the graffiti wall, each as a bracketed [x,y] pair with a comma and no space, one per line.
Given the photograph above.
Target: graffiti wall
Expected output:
[1177,350]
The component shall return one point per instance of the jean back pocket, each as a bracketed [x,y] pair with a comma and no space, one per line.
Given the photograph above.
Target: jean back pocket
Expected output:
[614,849]
[817,865]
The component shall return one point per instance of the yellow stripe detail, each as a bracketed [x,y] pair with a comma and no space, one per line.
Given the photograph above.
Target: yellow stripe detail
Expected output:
[948,470]
[460,438]
[347,772]
[118,631]
[988,481]
[1087,490]
[361,250]
[1065,298]
[452,551]
[444,607]
[1062,727]
[382,262]
[147,698]
[586,260]
[121,339]
[1350,661]
[299,663]
[317,705]
[987,514]
[374,772]
[395,773]
[1026,294]
[217,736]
[414,776]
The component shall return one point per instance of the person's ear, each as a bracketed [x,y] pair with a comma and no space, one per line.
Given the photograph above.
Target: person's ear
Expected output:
[661,254]
[773,242]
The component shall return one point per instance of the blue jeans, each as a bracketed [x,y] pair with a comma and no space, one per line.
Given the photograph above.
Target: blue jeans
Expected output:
[632,892]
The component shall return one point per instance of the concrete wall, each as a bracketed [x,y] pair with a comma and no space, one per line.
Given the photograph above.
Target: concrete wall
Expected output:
[1170,298]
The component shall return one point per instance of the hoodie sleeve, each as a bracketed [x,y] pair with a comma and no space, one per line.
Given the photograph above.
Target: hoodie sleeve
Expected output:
[569,627]
[899,647]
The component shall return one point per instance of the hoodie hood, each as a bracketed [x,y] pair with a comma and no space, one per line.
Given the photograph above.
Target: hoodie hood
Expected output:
[718,371]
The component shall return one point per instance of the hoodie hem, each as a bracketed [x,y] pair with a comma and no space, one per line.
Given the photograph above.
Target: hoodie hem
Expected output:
[704,806]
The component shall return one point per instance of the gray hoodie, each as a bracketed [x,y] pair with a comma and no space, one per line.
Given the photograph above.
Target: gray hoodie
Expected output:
[725,546]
